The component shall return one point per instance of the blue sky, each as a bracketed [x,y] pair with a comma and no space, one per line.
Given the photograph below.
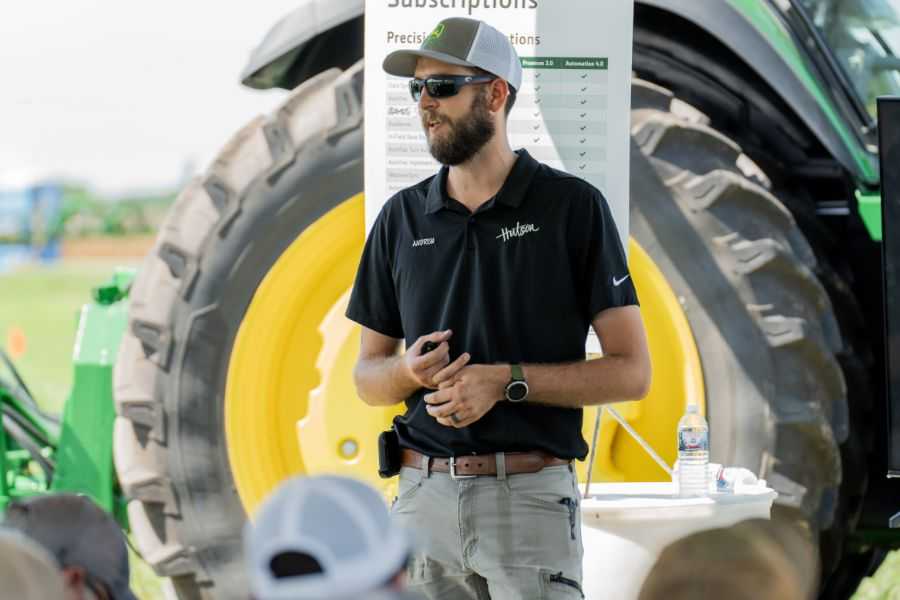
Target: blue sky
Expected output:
[123,95]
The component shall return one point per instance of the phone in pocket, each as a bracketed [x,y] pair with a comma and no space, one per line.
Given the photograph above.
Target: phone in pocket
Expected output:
[389,460]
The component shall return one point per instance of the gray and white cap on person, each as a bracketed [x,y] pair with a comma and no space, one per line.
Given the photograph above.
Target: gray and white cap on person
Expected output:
[323,537]
[79,534]
[464,42]
[27,571]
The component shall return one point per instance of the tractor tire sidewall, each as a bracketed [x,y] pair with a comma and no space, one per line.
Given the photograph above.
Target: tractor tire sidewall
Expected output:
[764,326]
[232,269]
[190,515]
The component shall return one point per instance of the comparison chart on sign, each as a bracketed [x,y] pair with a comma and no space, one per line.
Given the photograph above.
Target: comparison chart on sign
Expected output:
[560,117]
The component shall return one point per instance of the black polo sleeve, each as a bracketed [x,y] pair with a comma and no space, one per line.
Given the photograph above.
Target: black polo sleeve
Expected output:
[373,301]
[605,281]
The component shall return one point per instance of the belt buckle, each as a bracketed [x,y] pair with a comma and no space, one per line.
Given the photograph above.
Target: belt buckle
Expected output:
[453,474]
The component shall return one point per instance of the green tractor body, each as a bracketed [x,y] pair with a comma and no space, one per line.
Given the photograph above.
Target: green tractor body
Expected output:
[40,453]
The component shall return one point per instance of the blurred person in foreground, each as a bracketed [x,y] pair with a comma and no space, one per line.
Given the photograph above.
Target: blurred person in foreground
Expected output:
[751,560]
[27,571]
[392,595]
[325,537]
[86,542]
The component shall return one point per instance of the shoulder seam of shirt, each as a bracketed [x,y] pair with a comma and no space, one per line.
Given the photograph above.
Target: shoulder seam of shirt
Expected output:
[550,173]
[560,175]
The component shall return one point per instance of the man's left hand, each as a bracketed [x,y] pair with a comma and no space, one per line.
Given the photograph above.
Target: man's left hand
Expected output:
[469,395]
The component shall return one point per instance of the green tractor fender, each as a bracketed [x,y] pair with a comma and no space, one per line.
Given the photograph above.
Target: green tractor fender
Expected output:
[755,31]
[314,37]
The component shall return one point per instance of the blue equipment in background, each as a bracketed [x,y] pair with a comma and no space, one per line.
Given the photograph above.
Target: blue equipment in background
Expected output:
[30,220]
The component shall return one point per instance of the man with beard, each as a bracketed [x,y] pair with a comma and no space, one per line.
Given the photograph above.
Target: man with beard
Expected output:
[492,270]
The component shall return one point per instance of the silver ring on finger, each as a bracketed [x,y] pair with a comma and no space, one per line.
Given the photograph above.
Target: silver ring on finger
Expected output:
[455,419]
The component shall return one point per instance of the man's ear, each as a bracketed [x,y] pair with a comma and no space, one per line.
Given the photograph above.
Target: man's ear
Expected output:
[499,94]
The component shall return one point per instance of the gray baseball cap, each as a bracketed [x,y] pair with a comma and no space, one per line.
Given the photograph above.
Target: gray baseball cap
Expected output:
[78,533]
[464,42]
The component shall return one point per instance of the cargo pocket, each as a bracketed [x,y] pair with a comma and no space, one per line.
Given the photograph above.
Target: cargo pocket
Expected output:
[543,521]
[558,585]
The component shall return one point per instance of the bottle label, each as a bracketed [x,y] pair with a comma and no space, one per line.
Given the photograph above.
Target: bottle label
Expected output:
[690,440]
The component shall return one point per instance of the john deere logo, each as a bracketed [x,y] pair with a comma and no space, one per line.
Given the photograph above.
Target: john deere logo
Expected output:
[436,34]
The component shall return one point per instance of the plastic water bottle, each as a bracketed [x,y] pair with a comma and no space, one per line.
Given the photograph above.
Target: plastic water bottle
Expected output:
[693,454]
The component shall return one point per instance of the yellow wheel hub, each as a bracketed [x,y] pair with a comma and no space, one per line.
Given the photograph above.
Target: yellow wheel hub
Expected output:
[290,402]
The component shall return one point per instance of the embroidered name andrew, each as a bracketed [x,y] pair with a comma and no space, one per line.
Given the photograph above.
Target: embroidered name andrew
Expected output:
[507,233]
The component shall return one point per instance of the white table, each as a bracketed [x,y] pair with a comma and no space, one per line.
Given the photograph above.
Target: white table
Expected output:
[625,526]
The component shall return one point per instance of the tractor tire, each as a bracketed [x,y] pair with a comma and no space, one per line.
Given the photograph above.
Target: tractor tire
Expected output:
[274,178]
[763,324]
[765,327]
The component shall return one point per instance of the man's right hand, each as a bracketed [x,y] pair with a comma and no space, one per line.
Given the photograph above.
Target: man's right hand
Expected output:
[429,369]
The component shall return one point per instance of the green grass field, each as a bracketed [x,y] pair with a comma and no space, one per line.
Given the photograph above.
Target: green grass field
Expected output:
[43,302]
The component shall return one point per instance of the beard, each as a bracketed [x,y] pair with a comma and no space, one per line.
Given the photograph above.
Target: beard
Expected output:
[464,136]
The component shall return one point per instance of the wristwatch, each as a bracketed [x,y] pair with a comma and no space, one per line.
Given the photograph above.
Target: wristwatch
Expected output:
[517,388]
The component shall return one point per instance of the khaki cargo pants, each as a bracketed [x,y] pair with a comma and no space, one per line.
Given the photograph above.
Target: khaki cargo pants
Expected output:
[509,537]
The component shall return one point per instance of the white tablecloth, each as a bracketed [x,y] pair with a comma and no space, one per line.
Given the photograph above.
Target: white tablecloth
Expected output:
[626,525]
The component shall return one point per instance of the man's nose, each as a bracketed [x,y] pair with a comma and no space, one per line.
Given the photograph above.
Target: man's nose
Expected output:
[426,100]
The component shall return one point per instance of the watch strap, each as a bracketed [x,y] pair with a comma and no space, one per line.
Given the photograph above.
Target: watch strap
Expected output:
[517,373]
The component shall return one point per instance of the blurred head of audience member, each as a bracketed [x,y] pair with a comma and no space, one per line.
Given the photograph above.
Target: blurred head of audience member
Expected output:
[324,537]
[86,542]
[27,571]
[751,560]
[391,595]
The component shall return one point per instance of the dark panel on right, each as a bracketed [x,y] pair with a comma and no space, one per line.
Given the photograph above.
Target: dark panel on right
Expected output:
[889,152]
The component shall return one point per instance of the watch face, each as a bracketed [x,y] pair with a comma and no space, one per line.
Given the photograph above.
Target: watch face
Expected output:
[516,391]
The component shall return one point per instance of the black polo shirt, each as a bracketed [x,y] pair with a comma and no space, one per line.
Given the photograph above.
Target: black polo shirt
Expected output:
[518,281]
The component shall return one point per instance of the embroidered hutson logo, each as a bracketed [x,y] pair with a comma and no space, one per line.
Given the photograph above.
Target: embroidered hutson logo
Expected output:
[507,233]
[423,242]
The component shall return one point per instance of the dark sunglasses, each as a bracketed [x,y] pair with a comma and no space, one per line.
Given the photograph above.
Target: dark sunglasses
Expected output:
[443,86]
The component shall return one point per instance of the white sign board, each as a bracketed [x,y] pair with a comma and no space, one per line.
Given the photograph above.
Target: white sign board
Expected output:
[572,111]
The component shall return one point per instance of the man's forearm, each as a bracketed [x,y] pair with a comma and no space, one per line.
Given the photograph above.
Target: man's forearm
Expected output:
[383,381]
[599,381]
